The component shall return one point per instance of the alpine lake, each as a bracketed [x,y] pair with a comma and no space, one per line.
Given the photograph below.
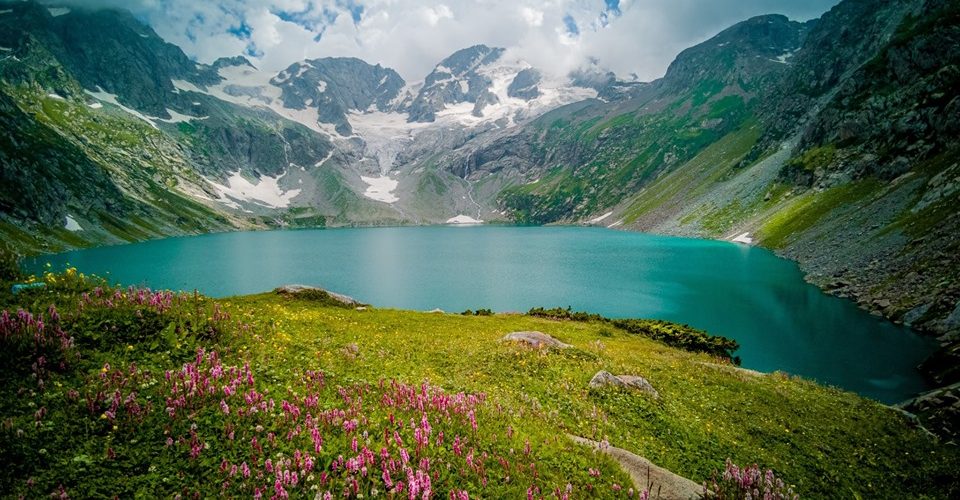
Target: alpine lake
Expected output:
[741,292]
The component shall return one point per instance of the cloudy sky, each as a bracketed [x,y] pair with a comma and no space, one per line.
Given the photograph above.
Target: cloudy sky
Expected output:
[630,37]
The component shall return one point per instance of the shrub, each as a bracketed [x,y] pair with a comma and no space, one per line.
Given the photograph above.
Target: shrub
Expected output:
[680,336]
[478,312]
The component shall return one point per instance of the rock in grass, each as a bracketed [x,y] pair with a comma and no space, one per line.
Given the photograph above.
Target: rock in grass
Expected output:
[319,294]
[662,483]
[539,340]
[604,379]
[639,383]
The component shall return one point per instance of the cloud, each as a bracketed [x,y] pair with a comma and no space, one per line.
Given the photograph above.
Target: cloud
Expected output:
[434,15]
[533,17]
[638,37]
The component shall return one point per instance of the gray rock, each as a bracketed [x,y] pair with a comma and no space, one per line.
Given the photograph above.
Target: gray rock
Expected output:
[604,379]
[296,289]
[646,475]
[640,384]
[524,85]
[539,340]
[952,322]
[337,85]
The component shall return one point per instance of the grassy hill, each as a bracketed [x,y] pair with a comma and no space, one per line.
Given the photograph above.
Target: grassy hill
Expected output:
[109,391]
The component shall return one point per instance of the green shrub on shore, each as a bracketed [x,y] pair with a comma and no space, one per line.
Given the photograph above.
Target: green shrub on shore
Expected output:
[679,336]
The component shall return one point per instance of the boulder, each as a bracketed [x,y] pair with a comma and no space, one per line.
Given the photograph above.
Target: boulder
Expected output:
[539,340]
[639,383]
[647,475]
[604,379]
[306,290]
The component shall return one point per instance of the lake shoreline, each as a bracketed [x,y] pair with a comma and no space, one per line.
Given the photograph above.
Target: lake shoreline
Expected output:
[608,277]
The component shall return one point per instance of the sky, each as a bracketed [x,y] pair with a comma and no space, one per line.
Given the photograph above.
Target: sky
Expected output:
[633,38]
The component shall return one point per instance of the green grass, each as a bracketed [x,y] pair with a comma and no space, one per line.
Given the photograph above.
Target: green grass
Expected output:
[697,175]
[825,442]
[806,210]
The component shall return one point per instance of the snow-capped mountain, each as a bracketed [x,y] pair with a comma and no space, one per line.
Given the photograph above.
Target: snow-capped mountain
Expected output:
[377,122]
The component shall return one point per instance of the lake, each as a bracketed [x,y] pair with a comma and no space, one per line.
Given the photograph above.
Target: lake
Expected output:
[741,292]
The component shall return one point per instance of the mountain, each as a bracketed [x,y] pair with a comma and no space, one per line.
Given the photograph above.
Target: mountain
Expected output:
[855,183]
[832,142]
[336,86]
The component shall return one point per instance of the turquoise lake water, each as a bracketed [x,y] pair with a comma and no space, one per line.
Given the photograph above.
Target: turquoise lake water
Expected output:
[780,321]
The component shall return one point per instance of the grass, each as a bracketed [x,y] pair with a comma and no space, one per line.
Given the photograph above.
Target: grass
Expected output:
[697,175]
[808,209]
[823,441]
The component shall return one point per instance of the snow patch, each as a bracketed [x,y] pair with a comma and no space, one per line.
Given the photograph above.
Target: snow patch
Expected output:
[266,192]
[107,97]
[95,105]
[385,135]
[58,11]
[615,224]
[180,117]
[743,238]
[463,219]
[554,92]
[782,58]
[381,188]
[599,219]
[6,11]
[249,87]
[72,224]
[321,162]
[56,96]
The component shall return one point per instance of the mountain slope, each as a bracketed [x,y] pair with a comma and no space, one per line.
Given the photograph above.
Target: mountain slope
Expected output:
[832,142]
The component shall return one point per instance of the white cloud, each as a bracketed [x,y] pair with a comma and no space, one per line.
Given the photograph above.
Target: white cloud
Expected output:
[411,36]
[533,17]
[434,15]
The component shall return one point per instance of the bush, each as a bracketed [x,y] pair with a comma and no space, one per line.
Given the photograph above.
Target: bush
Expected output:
[680,336]
[478,312]
[565,314]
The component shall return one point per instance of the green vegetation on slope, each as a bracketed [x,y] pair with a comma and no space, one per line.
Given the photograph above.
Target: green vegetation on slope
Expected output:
[154,394]
[696,176]
[804,211]
[608,158]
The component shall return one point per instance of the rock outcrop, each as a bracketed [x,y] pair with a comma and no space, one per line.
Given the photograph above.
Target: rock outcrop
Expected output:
[538,340]
[605,379]
[306,291]
[938,411]
[646,475]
